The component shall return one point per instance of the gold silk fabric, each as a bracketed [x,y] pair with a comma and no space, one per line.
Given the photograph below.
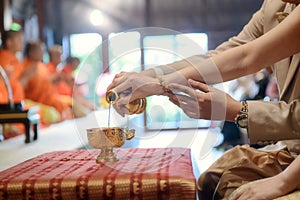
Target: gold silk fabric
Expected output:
[155,173]
[239,166]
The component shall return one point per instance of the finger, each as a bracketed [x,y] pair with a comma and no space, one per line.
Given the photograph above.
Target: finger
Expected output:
[123,100]
[121,109]
[200,86]
[120,74]
[114,83]
[178,89]
[192,114]
[186,91]
[119,78]
[173,99]
[122,87]
[183,99]
[187,108]
[187,104]
[118,110]
[236,194]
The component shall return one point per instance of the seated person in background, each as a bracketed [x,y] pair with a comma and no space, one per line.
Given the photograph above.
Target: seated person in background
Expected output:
[71,65]
[66,85]
[80,107]
[65,79]
[12,42]
[55,54]
[40,89]
[63,85]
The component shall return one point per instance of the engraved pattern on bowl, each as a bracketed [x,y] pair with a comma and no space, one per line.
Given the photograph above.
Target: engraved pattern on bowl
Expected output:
[106,137]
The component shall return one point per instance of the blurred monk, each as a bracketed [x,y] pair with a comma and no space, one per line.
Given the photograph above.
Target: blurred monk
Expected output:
[55,75]
[68,86]
[55,54]
[12,42]
[40,88]
[65,80]
[71,65]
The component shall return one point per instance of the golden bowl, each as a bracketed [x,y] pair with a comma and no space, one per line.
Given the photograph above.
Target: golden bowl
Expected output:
[106,139]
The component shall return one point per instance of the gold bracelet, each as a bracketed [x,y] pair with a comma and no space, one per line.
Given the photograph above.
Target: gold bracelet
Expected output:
[242,117]
[162,83]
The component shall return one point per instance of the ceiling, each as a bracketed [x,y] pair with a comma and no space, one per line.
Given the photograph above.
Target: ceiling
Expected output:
[72,16]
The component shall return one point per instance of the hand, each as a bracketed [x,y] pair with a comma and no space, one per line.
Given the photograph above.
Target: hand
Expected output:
[208,103]
[268,188]
[9,71]
[27,74]
[130,86]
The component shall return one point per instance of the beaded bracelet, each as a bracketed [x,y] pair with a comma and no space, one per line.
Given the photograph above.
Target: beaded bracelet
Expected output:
[162,83]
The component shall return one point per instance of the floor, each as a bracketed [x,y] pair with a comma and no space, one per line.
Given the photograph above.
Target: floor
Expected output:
[71,135]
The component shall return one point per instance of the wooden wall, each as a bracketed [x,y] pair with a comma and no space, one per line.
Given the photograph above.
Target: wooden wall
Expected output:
[219,18]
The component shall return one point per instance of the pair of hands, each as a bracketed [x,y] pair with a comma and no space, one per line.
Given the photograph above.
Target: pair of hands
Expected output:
[196,99]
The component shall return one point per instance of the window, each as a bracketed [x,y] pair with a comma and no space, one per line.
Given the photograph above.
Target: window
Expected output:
[87,47]
[124,52]
[159,50]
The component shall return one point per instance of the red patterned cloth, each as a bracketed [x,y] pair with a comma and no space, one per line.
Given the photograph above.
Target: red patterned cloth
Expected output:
[139,174]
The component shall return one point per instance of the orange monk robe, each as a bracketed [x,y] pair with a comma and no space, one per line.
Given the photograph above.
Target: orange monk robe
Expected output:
[63,88]
[40,88]
[68,70]
[51,68]
[65,85]
[10,62]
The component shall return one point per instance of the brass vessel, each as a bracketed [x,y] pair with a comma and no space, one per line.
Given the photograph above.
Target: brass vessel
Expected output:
[106,139]
[135,107]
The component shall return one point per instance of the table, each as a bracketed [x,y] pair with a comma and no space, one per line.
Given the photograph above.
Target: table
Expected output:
[29,117]
[153,173]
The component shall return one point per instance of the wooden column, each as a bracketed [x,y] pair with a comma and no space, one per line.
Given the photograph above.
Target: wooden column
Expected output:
[5,15]
[105,53]
[2,16]
[41,18]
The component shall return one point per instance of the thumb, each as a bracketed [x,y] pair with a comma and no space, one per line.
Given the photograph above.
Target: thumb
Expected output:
[198,85]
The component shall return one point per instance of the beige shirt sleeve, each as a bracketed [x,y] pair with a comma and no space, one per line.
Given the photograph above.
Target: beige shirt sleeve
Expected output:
[273,121]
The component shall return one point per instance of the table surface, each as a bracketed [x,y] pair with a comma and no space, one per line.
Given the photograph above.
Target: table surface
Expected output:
[152,173]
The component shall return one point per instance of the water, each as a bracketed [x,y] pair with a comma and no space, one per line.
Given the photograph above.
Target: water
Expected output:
[108,121]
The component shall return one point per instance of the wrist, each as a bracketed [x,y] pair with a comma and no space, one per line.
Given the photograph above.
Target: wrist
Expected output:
[235,109]
[286,183]
[149,73]
[241,118]
[162,85]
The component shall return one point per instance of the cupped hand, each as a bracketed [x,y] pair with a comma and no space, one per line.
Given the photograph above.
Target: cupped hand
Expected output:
[203,101]
[27,74]
[131,86]
[9,71]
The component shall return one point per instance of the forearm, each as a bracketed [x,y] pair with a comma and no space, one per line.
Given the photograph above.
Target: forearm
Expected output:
[24,81]
[251,57]
[207,71]
[173,67]
[290,175]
